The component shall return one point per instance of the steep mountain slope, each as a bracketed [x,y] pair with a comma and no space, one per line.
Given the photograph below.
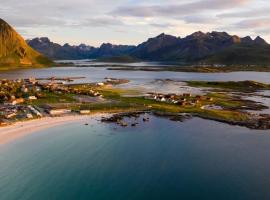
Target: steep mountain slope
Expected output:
[253,54]
[155,48]
[14,51]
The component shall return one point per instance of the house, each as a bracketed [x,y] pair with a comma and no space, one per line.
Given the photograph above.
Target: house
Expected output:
[10,115]
[182,103]
[24,89]
[3,123]
[59,111]
[29,116]
[32,98]
[163,99]
[100,84]
[84,112]
[195,101]
[17,101]
[35,111]
[171,96]
[199,97]
[186,95]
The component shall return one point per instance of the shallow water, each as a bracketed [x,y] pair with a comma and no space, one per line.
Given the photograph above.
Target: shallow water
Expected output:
[99,73]
[138,79]
[197,159]
[264,100]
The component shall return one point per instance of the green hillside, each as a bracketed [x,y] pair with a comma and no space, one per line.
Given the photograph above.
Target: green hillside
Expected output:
[257,54]
[15,52]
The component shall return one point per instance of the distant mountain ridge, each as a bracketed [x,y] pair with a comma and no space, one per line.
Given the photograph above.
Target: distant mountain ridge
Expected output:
[195,47]
[209,48]
[14,51]
[57,51]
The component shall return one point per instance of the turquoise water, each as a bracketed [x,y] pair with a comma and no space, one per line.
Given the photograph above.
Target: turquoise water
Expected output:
[162,159]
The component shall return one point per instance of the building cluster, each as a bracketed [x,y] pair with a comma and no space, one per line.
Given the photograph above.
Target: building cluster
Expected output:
[185,99]
[66,89]
[18,91]
[17,98]
[9,112]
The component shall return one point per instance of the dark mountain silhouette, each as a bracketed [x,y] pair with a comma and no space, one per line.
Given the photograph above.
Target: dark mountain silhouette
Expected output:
[57,51]
[200,47]
[211,48]
[109,50]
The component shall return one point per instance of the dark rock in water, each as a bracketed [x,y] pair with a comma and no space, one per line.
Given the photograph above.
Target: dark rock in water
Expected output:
[118,118]
[146,119]
[173,117]
[124,124]
[134,124]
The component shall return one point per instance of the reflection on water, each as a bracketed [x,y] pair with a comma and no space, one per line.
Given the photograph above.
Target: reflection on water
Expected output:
[163,86]
[138,79]
[99,73]
[263,98]
[92,62]
[197,159]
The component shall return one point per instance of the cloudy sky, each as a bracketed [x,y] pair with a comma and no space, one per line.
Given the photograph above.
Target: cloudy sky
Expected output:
[133,21]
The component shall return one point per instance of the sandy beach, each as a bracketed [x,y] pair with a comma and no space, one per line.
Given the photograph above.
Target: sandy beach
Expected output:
[20,129]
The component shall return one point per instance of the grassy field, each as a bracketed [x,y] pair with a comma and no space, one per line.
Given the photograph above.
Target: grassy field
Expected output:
[115,100]
[248,86]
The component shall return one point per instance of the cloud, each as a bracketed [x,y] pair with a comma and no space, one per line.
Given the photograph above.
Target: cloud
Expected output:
[177,9]
[199,19]
[257,12]
[161,25]
[132,21]
[253,27]
[101,22]
[29,21]
[263,23]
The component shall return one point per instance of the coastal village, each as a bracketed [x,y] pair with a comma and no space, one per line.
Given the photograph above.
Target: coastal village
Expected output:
[185,99]
[18,97]
[31,98]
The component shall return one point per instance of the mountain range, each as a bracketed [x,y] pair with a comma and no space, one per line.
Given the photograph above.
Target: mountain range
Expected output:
[199,47]
[14,51]
[57,52]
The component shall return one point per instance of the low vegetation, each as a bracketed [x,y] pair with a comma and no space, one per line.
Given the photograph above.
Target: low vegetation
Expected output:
[249,86]
[48,98]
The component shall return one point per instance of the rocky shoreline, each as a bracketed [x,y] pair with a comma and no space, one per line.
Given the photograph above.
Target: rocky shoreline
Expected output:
[260,122]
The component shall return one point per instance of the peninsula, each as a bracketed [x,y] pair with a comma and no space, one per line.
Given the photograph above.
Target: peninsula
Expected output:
[27,99]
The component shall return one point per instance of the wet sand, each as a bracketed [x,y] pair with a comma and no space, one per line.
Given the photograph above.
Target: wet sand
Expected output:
[20,129]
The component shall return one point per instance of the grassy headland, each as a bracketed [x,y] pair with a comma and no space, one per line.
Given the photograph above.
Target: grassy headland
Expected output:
[244,86]
[30,99]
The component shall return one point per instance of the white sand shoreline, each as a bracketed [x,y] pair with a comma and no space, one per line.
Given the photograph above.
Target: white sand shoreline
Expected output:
[20,129]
